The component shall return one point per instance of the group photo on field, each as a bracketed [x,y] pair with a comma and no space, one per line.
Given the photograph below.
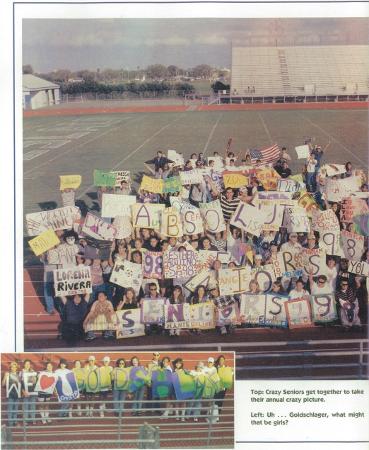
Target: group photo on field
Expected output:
[208,244]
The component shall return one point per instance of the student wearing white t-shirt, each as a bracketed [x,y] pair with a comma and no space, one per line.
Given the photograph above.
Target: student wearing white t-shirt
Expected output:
[321,287]
[299,291]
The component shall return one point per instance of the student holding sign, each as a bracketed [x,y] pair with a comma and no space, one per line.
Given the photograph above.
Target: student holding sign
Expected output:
[12,382]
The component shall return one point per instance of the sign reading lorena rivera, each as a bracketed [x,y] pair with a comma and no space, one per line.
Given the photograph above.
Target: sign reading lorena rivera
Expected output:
[72,281]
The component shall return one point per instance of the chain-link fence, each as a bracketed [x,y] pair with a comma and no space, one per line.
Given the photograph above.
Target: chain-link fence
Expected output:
[96,423]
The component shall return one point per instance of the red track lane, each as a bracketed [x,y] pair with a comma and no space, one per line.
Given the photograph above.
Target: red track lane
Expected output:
[181,108]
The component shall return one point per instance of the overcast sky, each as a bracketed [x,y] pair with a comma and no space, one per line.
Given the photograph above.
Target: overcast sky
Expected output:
[74,44]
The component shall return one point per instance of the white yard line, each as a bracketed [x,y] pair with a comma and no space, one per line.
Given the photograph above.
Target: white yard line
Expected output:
[59,155]
[266,128]
[211,134]
[333,139]
[131,154]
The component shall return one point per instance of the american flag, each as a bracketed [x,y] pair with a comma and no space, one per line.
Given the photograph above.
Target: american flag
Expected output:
[265,155]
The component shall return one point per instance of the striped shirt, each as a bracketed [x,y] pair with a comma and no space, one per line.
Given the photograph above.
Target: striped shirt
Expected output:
[228,206]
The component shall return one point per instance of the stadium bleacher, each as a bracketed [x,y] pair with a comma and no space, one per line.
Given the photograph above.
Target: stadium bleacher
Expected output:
[331,70]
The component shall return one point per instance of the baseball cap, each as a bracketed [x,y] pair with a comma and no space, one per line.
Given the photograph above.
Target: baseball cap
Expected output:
[91,358]
[106,359]
[211,359]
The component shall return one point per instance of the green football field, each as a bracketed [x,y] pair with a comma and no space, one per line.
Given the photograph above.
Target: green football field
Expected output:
[55,146]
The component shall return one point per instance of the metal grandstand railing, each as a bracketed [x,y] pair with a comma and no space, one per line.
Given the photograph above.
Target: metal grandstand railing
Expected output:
[342,358]
[185,424]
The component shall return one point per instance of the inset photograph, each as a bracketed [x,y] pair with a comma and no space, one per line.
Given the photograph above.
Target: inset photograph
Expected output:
[117,400]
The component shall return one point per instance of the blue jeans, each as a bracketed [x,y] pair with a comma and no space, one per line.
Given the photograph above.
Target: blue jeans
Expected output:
[119,397]
[64,409]
[194,408]
[29,404]
[13,406]
[310,181]
[137,397]
[49,291]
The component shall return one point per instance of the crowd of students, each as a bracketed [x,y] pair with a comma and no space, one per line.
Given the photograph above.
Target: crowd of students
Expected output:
[27,402]
[350,290]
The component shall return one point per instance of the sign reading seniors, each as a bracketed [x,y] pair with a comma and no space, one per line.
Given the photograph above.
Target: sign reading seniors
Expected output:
[97,228]
[127,274]
[180,264]
[147,215]
[117,205]
[104,179]
[249,218]
[201,316]
[54,219]
[72,281]
[129,323]
[212,216]
[154,185]
[46,240]
[70,181]
[234,281]
[323,308]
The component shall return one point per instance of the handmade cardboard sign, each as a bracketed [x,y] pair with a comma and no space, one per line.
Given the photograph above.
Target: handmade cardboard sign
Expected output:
[191,219]
[274,198]
[252,309]
[362,224]
[129,323]
[117,205]
[323,307]
[268,178]
[161,384]
[147,215]
[288,185]
[202,316]
[92,380]
[249,218]
[180,264]
[46,382]
[124,227]
[66,386]
[172,184]
[80,375]
[302,151]
[97,228]
[152,310]
[171,224]
[127,274]
[154,185]
[296,220]
[122,175]
[226,377]
[287,264]
[218,162]
[29,382]
[274,216]
[212,216]
[104,179]
[105,377]
[298,313]
[330,242]
[54,219]
[323,221]
[177,158]
[352,207]
[307,202]
[275,312]
[121,378]
[70,181]
[337,190]
[138,377]
[352,245]
[72,281]
[103,319]
[176,315]
[264,276]
[234,281]
[227,315]
[43,242]
[206,259]
[153,265]
[234,179]
[184,385]
[204,277]
[193,176]
[334,169]
[313,260]
[359,268]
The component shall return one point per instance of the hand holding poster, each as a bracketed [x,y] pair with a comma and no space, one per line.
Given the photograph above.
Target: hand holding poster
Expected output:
[323,308]
[72,281]
[43,242]
[54,219]
[70,182]
[129,323]
[97,228]
[122,175]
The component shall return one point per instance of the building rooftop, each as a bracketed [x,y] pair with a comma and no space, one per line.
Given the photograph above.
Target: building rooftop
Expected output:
[33,83]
